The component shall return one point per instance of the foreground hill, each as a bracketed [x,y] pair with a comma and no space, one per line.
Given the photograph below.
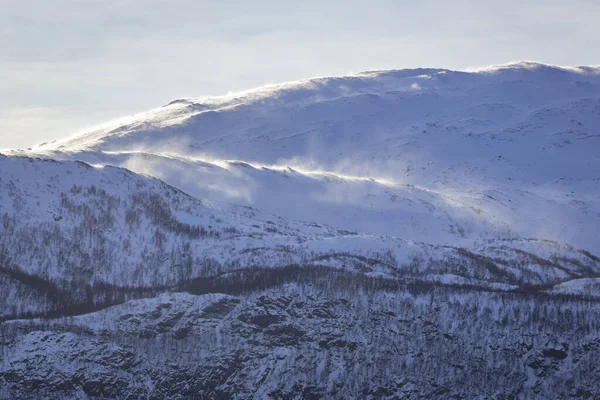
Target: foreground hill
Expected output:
[311,340]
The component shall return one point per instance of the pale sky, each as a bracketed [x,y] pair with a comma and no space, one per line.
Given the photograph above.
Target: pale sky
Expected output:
[69,64]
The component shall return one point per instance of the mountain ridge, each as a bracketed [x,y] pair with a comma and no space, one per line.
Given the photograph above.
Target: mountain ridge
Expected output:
[266,90]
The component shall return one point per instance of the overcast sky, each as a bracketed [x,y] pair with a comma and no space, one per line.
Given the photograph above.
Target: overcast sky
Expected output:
[69,64]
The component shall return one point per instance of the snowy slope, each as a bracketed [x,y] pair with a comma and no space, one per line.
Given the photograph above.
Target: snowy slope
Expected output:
[67,225]
[510,150]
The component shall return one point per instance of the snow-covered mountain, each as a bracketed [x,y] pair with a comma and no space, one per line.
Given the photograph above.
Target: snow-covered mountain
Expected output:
[428,222]
[431,155]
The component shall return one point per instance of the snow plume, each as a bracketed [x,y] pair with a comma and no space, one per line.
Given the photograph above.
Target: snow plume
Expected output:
[533,66]
[384,172]
[202,179]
